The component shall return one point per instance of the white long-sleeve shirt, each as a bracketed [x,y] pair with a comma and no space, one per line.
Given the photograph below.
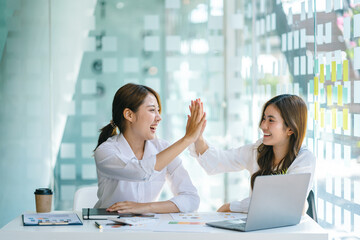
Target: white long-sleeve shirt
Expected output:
[122,177]
[215,160]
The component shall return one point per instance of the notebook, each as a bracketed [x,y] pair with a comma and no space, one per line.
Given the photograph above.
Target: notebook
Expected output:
[101,214]
[276,201]
[50,219]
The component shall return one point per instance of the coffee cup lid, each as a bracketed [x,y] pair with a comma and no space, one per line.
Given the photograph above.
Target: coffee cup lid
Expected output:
[43,191]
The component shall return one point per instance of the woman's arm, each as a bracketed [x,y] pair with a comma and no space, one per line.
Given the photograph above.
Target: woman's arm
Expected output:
[185,194]
[194,126]
[151,207]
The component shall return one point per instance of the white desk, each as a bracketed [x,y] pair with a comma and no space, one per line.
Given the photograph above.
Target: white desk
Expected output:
[307,229]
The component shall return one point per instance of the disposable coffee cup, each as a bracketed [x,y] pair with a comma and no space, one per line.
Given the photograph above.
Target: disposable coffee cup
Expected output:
[43,199]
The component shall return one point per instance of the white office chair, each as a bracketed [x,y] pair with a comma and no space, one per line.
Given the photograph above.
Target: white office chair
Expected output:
[85,197]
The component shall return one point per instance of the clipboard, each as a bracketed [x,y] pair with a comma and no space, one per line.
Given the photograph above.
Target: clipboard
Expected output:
[51,219]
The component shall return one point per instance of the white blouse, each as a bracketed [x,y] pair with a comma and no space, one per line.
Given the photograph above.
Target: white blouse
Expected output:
[122,177]
[215,161]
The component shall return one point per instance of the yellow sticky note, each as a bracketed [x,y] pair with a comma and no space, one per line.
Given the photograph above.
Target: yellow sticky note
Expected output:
[340,95]
[346,70]
[316,105]
[333,71]
[316,86]
[345,118]
[322,117]
[322,74]
[329,95]
[333,118]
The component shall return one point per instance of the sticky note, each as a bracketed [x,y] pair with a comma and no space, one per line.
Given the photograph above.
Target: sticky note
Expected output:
[310,64]
[296,66]
[238,21]
[334,93]
[311,86]
[316,110]
[345,95]
[345,70]
[338,4]
[333,71]
[357,125]
[273,21]
[347,92]
[356,91]
[356,25]
[316,86]
[283,42]
[322,93]
[328,33]
[302,38]
[262,24]
[322,76]
[328,72]
[290,40]
[340,95]
[345,118]
[310,9]
[262,6]
[268,23]
[328,6]
[347,21]
[339,120]
[215,22]
[290,17]
[322,117]
[339,72]
[357,58]
[303,65]
[329,95]
[320,34]
[302,16]
[174,4]
[296,39]
[333,118]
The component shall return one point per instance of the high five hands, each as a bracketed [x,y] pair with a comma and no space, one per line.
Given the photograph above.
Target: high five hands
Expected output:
[196,122]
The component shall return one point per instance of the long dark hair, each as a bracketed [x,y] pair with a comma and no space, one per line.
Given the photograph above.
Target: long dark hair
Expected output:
[294,112]
[129,96]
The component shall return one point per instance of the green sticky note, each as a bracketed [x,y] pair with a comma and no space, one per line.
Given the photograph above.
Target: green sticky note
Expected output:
[311,86]
[328,72]
[339,72]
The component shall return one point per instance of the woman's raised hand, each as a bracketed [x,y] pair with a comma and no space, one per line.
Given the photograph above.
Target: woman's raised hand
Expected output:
[196,121]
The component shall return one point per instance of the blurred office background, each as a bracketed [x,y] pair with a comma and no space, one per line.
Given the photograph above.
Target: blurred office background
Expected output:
[61,61]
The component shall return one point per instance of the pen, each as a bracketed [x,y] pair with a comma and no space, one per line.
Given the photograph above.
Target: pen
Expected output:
[98,225]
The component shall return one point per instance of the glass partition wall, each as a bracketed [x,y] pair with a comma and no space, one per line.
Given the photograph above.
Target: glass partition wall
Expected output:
[62,61]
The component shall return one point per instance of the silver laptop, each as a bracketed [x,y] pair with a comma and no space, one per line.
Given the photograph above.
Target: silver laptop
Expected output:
[276,201]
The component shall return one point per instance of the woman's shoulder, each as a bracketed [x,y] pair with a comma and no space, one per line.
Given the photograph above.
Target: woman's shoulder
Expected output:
[305,152]
[305,156]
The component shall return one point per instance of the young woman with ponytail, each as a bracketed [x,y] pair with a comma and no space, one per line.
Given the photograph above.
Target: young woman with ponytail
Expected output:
[280,151]
[133,166]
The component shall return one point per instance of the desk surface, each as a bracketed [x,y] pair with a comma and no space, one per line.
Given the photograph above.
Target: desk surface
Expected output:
[306,229]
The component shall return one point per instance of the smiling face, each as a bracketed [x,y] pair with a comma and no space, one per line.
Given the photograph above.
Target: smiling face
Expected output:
[144,122]
[276,133]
